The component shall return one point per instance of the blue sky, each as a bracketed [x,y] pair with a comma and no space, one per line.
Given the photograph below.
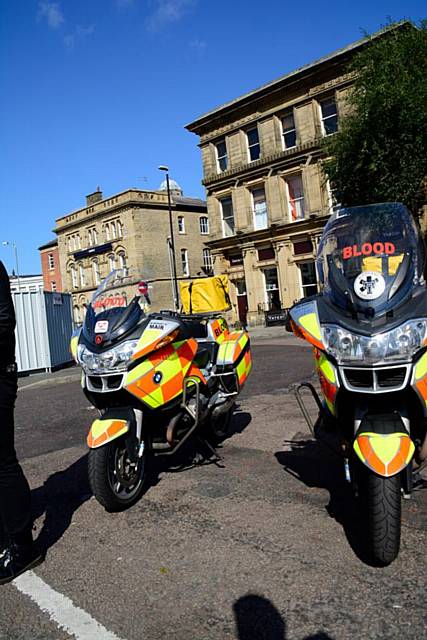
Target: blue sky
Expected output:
[97,92]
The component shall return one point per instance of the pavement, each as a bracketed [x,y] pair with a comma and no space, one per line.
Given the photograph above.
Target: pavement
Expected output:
[268,545]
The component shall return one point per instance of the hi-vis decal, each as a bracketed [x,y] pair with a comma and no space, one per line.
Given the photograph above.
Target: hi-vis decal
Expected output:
[368,249]
[386,454]
[305,323]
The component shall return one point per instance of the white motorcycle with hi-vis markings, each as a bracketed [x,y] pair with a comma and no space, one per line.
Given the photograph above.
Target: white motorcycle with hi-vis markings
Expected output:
[368,329]
[156,379]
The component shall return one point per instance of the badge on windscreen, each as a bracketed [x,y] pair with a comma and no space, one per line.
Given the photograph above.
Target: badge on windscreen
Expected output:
[369,285]
[101,326]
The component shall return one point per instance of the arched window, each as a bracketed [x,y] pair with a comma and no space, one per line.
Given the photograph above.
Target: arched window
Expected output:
[113,231]
[73,272]
[119,229]
[122,260]
[82,275]
[107,231]
[112,262]
[77,316]
[95,272]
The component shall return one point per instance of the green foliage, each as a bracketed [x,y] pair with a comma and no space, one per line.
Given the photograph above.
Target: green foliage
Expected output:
[380,151]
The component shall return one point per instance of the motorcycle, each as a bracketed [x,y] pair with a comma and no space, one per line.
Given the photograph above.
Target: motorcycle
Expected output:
[368,329]
[156,379]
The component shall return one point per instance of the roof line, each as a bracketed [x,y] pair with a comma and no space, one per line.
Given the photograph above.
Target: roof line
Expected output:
[292,74]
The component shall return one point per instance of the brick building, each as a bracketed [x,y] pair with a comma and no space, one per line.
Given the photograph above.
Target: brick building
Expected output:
[49,256]
[131,229]
[267,197]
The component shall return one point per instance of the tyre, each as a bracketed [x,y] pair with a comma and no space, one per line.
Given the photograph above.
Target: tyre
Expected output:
[115,481]
[384,516]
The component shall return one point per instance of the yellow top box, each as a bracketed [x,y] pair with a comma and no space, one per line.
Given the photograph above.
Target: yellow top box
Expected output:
[205,295]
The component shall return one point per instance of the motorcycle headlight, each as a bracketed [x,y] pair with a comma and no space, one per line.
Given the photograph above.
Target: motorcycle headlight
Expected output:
[115,358]
[398,344]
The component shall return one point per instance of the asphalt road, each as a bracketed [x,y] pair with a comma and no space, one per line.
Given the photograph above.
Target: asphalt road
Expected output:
[267,546]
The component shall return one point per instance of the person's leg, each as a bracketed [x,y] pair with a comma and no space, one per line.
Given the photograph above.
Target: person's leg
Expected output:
[19,552]
[15,501]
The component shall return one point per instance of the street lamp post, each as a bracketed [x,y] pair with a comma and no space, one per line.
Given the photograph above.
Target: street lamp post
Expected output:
[172,241]
[6,243]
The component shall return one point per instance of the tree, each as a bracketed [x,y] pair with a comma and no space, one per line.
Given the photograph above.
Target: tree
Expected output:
[380,151]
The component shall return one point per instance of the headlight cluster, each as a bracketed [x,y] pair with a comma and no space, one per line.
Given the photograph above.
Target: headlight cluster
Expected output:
[113,359]
[399,344]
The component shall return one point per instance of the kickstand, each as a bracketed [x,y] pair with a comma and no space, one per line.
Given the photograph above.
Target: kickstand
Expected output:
[215,458]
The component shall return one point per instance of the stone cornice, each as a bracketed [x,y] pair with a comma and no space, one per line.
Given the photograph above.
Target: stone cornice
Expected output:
[281,157]
[274,233]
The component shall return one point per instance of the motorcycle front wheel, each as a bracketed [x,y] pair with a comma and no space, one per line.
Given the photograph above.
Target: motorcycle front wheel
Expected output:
[116,482]
[384,504]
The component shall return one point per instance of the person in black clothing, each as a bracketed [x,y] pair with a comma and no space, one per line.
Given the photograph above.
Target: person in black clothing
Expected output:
[17,549]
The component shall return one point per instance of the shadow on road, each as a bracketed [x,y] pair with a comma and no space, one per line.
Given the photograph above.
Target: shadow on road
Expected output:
[315,466]
[258,619]
[59,498]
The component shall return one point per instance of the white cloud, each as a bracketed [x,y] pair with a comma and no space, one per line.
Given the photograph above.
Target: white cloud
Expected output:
[166,12]
[51,12]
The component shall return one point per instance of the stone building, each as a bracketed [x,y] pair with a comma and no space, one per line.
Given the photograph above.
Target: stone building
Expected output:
[49,256]
[132,229]
[267,197]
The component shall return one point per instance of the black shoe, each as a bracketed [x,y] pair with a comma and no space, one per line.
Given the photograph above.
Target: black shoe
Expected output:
[16,559]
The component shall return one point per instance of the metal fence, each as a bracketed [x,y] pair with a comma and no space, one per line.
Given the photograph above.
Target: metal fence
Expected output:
[44,325]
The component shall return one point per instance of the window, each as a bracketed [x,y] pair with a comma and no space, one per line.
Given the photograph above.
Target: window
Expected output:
[253,144]
[308,279]
[95,272]
[51,261]
[82,276]
[113,230]
[289,131]
[227,214]
[93,238]
[303,246]
[112,262]
[221,156]
[329,115]
[107,231]
[79,244]
[122,260]
[266,254]
[204,225]
[259,209]
[207,261]
[181,224]
[184,261]
[272,296]
[119,229]
[295,197]
[69,243]
[53,286]
[73,271]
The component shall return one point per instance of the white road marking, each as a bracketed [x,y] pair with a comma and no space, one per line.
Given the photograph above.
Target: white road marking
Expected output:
[61,609]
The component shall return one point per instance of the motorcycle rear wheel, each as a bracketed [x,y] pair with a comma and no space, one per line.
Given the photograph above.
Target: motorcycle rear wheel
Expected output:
[384,504]
[115,481]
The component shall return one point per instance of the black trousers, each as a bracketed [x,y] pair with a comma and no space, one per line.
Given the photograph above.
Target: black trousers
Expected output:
[15,498]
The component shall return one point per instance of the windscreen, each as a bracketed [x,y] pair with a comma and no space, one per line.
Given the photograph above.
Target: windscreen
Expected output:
[118,289]
[370,258]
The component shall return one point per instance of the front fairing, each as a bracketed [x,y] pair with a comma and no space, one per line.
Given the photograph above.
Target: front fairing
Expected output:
[370,260]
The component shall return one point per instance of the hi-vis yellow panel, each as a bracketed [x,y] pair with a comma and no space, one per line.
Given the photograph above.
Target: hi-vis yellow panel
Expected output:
[421,367]
[205,295]
[105,430]
[311,324]
[327,369]
[73,346]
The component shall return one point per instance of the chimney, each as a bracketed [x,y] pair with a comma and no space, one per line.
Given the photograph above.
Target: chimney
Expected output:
[94,197]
